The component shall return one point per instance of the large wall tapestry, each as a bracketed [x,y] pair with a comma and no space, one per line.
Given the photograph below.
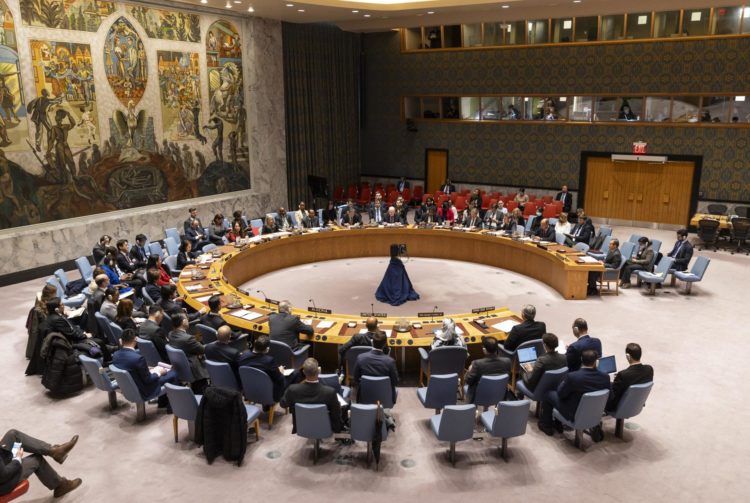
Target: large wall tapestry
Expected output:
[179,85]
[168,25]
[125,62]
[64,81]
[81,15]
[13,124]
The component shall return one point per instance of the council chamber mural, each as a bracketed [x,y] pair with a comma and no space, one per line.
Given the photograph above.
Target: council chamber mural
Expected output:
[13,123]
[179,85]
[81,15]
[125,62]
[63,155]
[168,25]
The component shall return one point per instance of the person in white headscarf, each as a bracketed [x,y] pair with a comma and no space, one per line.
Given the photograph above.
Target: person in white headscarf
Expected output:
[447,335]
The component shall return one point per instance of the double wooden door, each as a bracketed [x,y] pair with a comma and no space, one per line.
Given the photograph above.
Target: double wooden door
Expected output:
[639,191]
[436,169]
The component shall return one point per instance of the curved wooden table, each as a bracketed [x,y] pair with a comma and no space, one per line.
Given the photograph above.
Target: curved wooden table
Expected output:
[238,266]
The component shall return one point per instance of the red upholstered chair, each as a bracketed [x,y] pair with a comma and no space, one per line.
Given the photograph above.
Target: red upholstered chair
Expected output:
[511,205]
[439,193]
[460,203]
[529,209]
[364,197]
[390,187]
[406,194]
[338,193]
[550,211]
[21,489]
[441,199]
[379,187]
[546,199]
[424,198]
[486,202]
[454,196]
[392,196]
[511,195]
[496,195]
[418,193]
[364,185]
[532,197]
[493,201]
[352,192]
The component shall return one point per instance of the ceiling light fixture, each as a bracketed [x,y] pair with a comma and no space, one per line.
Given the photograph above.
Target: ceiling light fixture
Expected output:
[354,11]
[367,15]
[300,10]
[290,5]
[506,6]
[250,9]
[576,1]
[204,1]
[228,5]
[430,12]
[237,1]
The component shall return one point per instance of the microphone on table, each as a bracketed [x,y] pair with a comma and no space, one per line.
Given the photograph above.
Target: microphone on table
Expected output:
[265,297]
[434,310]
[372,307]
[313,303]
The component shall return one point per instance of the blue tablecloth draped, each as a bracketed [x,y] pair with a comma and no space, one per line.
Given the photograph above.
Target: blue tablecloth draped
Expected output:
[395,289]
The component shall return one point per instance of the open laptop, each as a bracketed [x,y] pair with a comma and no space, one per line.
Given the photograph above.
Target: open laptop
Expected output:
[607,365]
[526,358]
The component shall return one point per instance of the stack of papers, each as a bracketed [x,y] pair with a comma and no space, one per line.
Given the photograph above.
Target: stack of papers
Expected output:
[587,259]
[193,288]
[324,324]
[245,314]
[505,326]
[205,297]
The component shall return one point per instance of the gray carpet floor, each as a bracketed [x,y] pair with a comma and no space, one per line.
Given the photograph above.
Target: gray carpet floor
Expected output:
[687,445]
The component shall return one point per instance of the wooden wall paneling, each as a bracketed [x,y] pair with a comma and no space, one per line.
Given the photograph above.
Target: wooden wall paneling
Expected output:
[598,186]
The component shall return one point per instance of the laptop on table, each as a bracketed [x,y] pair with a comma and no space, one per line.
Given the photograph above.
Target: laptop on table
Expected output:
[526,358]
[607,365]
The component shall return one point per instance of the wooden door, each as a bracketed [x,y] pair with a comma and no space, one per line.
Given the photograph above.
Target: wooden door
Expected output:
[598,185]
[647,206]
[624,190]
[677,187]
[436,168]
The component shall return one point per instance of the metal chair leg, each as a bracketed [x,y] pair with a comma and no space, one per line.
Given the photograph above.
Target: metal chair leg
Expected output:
[112,400]
[140,412]
[619,427]
[316,447]
[504,449]
[174,428]
[270,416]
[452,453]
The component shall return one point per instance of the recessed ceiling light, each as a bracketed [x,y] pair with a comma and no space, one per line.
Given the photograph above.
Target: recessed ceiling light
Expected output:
[250,9]
[204,1]
[506,7]
[300,10]
[228,5]
[290,5]
[237,1]
[430,12]
[576,1]
[355,11]
[367,15]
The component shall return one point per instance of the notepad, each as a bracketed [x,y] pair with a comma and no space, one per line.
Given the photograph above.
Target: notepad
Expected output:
[193,288]
[505,326]
[288,372]
[342,401]
[307,321]
[588,260]
[204,298]
[245,314]
[324,324]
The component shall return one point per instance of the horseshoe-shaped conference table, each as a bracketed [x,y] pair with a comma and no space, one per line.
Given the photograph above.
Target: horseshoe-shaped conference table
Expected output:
[558,266]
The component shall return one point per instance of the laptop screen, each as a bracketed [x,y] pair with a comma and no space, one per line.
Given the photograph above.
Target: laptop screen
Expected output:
[527,354]
[607,365]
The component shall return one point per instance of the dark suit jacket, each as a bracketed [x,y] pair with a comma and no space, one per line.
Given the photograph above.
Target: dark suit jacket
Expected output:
[637,373]
[213,320]
[193,349]
[58,323]
[10,471]
[150,331]
[98,252]
[488,366]
[395,219]
[308,222]
[575,385]
[548,235]
[523,332]
[138,255]
[224,353]
[154,291]
[353,220]
[313,393]
[269,230]
[266,363]
[125,263]
[681,255]
[585,234]
[567,200]
[613,258]
[376,364]
[449,188]
[132,362]
[356,340]
[286,328]
[372,210]
[400,186]
[574,351]
[194,235]
[545,362]
[280,222]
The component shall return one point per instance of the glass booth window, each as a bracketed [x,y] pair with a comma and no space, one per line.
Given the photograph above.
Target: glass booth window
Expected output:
[433,38]
[686,109]
[411,107]
[667,24]
[431,107]
[413,39]
[639,25]
[581,108]
[452,36]
[470,108]
[491,108]
[657,109]
[472,34]
[746,20]
[512,107]
[514,33]
[558,108]
[538,32]
[695,22]
[493,34]
[726,20]
[740,110]
[716,109]
[613,27]
[450,107]
[587,29]
[562,30]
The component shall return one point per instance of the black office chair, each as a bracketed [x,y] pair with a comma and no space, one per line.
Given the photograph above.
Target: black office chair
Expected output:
[740,233]
[717,209]
[742,211]
[708,232]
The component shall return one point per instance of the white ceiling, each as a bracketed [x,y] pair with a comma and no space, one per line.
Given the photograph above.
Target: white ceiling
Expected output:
[388,14]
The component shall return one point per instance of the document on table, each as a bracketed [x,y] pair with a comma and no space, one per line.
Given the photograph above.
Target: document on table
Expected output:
[193,288]
[342,401]
[245,314]
[388,331]
[324,324]
[205,297]
[505,326]
[587,260]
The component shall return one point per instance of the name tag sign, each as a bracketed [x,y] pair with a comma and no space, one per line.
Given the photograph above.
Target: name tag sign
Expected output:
[319,310]
[483,309]
[272,301]
[377,315]
[434,314]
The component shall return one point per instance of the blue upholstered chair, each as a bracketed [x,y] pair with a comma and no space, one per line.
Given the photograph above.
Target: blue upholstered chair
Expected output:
[508,420]
[559,238]
[490,390]
[376,389]
[696,273]
[605,231]
[549,381]
[609,276]
[84,267]
[313,423]
[105,328]
[631,404]
[155,249]
[529,223]
[581,247]
[173,246]
[588,414]
[284,355]
[147,298]
[362,426]
[258,389]
[603,249]
[455,424]
[351,359]
[658,276]
[73,302]
[173,234]
[131,393]
[208,334]
[442,360]
[148,351]
[99,377]
[221,374]
[184,405]
[171,262]
[440,391]
[116,333]
[332,380]
[180,364]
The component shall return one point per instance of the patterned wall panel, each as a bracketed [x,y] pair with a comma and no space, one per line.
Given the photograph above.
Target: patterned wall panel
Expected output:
[548,155]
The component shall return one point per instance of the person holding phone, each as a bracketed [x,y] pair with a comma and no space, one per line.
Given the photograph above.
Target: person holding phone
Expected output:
[14,467]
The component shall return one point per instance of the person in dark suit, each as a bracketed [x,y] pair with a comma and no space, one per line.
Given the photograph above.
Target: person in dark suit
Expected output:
[138,252]
[641,262]
[566,198]
[492,364]
[377,209]
[330,214]
[583,342]
[194,350]
[550,360]
[124,262]
[189,222]
[100,250]
[376,363]
[195,234]
[567,396]
[682,251]
[58,322]
[545,232]
[310,220]
[14,467]
[146,379]
[527,330]
[212,318]
[259,358]
[173,306]
[393,217]
[283,220]
[220,350]
[151,330]
[636,373]
[448,187]
[472,219]
[351,218]
[611,261]
[284,327]
[152,287]
[359,339]
[269,226]
[402,184]
[311,391]
[581,233]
